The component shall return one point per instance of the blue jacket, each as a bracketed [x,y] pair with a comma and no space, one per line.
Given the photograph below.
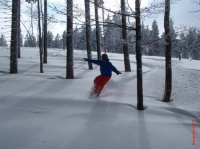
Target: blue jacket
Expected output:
[106,68]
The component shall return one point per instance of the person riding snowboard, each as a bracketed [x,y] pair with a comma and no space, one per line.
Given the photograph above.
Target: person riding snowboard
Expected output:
[106,69]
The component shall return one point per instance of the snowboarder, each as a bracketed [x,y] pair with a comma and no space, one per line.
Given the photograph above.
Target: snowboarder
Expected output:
[106,69]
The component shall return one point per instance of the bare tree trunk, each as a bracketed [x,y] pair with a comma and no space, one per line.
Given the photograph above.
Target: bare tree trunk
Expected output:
[32,18]
[168,69]
[63,40]
[14,38]
[40,39]
[139,57]
[103,42]
[45,31]
[179,55]
[19,29]
[42,26]
[88,32]
[124,36]
[70,63]
[97,30]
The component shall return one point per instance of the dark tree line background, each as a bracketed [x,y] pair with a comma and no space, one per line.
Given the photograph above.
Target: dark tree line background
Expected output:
[187,44]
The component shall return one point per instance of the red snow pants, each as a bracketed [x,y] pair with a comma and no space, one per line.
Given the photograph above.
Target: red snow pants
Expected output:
[99,83]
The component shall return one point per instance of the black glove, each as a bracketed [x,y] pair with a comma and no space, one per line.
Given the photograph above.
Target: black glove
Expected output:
[85,59]
[119,73]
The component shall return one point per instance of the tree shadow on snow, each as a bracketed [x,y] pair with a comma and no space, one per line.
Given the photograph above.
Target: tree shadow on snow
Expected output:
[183,113]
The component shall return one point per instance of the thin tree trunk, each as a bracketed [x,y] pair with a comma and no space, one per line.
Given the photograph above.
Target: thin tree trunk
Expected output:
[139,57]
[179,55]
[32,17]
[88,32]
[14,38]
[40,39]
[45,31]
[124,36]
[19,30]
[168,68]
[63,40]
[75,38]
[97,30]
[103,28]
[70,70]
[42,26]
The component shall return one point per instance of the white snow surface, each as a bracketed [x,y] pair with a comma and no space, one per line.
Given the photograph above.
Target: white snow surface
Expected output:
[47,111]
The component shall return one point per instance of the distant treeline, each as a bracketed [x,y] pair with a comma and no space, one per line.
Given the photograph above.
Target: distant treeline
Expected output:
[187,44]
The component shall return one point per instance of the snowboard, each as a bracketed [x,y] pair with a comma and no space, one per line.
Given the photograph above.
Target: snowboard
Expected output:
[92,94]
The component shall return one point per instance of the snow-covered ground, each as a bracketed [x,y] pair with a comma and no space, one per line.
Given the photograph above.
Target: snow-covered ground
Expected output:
[47,111]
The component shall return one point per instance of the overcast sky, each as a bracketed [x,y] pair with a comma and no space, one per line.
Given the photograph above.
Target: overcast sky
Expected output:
[180,13]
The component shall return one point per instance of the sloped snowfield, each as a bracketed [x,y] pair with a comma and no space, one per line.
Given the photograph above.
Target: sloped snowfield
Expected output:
[47,111]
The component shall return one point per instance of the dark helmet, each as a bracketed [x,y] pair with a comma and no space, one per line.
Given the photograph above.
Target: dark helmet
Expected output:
[104,56]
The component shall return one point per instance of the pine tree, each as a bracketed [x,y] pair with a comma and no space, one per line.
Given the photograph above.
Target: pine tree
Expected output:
[117,44]
[113,34]
[191,44]
[64,40]
[175,49]
[146,39]
[162,43]
[94,41]
[21,40]
[154,47]
[183,45]
[196,56]
[3,41]
[30,41]
[131,39]
[57,41]
[108,35]
[75,37]
[80,36]
[172,30]
[49,39]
